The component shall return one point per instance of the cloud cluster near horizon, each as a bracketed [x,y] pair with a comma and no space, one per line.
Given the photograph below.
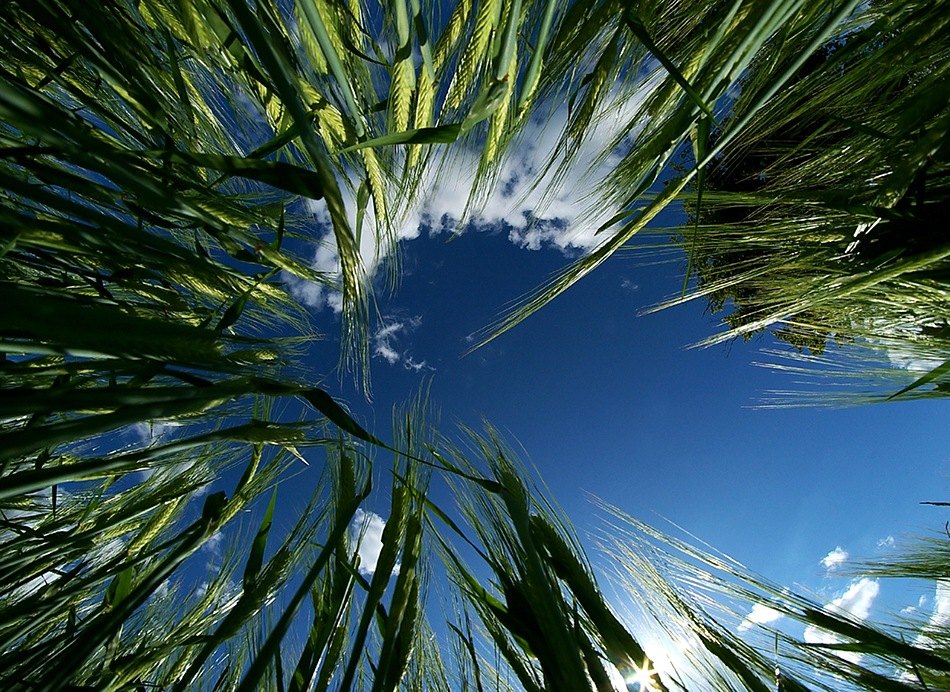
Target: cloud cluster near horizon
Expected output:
[856,601]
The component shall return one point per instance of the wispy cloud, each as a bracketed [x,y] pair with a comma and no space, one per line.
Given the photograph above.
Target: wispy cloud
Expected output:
[33,585]
[415,365]
[834,559]
[366,533]
[310,293]
[905,345]
[386,343]
[151,433]
[98,556]
[213,546]
[628,285]
[910,610]
[326,262]
[886,543]
[162,590]
[855,601]
[760,614]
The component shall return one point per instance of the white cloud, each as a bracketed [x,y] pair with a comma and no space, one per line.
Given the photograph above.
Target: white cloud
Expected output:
[887,543]
[33,585]
[162,589]
[366,534]
[856,601]
[834,559]
[326,262]
[858,598]
[564,216]
[384,351]
[393,328]
[310,293]
[106,552]
[98,556]
[760,614]
[905,345]
[152,433]
[202,590]
[29,516]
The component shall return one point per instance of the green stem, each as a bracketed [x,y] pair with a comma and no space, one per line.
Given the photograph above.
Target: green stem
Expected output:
[533,73]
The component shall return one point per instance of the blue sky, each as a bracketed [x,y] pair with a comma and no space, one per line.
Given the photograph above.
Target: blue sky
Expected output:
[612,404]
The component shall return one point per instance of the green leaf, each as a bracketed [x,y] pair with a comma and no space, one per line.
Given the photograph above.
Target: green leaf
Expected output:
[119,588]
[440,134]
[256,557]
[234,310]
[931,376]
[277,174]
[487,102]
[337,415]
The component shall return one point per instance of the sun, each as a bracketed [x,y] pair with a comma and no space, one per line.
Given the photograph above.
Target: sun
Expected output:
[642,677]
